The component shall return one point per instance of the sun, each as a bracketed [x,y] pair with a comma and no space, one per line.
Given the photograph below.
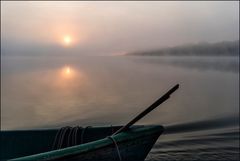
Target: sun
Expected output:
[67,40]
[67,70]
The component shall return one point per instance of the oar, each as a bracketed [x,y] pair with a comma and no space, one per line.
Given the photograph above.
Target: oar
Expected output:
[149,109]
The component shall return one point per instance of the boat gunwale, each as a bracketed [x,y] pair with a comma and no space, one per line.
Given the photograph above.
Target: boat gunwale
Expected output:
[131,134]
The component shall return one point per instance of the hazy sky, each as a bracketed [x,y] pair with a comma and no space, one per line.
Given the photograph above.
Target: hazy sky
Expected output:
[114,27]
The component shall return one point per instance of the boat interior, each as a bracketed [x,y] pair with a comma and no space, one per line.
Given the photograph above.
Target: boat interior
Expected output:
[19,143]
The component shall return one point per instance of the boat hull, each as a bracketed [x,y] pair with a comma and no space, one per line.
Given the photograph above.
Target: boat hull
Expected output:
[132,145]
[134,150]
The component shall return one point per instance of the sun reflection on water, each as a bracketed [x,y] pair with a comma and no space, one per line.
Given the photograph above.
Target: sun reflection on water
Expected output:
[70,78]
[68,72]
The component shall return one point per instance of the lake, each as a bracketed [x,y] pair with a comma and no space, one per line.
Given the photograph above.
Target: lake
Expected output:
[201,118]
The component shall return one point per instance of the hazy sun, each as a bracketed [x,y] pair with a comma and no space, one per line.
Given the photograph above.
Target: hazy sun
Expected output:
[67,40]
[67,71]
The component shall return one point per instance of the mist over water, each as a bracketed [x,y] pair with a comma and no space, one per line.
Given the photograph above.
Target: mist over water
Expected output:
[200,119]
[222,63]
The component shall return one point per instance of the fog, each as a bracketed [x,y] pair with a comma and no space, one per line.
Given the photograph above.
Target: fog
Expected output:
[112,28]
[41,92]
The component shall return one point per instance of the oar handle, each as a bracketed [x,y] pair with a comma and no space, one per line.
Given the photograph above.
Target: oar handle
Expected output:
[149,109]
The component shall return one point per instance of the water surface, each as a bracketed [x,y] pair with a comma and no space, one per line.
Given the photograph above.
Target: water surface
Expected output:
[201,118]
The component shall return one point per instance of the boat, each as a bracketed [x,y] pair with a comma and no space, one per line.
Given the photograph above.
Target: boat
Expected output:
[112,143]
[91,144]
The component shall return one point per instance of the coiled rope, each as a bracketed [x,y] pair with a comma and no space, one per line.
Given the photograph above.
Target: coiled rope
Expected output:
[68,136]
[83,132]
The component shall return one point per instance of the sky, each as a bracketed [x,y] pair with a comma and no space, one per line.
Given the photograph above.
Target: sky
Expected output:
[113,27]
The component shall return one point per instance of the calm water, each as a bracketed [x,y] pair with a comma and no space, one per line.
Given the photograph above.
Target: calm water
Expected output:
[201,118]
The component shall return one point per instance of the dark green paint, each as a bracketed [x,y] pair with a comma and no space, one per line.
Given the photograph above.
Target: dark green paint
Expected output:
[134,144]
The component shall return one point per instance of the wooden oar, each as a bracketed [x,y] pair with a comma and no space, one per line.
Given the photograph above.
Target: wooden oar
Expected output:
[149,109]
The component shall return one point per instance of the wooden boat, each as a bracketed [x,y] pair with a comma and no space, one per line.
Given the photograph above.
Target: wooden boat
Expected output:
[123,143]
[91,144]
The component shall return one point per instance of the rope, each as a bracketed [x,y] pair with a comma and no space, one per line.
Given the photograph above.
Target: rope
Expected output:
[62,135]
[69,138]
[83,132]
[75,136]
[64,138]
[56,138]
[115,143]
[72,138]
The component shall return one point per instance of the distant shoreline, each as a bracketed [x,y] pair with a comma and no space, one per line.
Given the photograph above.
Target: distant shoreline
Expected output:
[226,48]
